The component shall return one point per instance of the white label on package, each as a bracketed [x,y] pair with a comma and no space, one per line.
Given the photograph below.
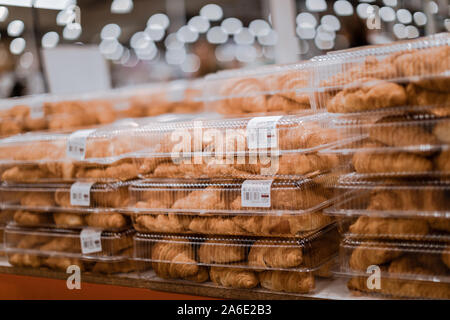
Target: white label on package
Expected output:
[91,240]
[262,132]
[256,193]
[80,194]
[76,144]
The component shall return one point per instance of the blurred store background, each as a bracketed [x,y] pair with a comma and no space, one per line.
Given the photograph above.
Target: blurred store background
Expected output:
[145,41]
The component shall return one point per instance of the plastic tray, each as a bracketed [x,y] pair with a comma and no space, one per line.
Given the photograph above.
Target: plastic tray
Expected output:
[283,264]
[79,196]
[280,88]
[68,243]
[232,207]
[407,269]
[400,145]
[410,73]
[401,208]
[239,148]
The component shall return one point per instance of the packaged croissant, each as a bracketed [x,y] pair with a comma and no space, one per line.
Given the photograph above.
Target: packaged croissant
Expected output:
[269,146]
[239,262]
[232,207]
[283,89]
[410,74]
[407,269]
[395,144]
[407,208]
[87,243]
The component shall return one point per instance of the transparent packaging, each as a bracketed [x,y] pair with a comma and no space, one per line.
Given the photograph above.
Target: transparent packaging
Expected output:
[282,146]
[411,269]
[275,89]
[20,241]
[395,145]
[411,73]
[394,209]
[280,264]
[232,207]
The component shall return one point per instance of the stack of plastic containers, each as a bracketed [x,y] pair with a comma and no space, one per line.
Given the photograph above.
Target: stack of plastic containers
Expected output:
[396,101]
[68,112]
[62,194]
[238,202]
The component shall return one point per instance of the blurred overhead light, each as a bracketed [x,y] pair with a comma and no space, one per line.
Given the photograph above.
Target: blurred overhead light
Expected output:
[323,44]
[50,39]
[325,34]
[387,14]
[244,36]
[211,12]
[269,39]
[330,22]
[110,31]
[65,17]
[187,35]
[139,40]
[121,6]
[343,8]
[108,46]
[363,10]
[231,25]
[316,5]
[191,63]
[176,56]
[390,3]
[226,52]
[246,53]
[26,60]
[259,27]
[420,18]
[158,20]
[412,32]
[15,28]
[404,16]
[399,30]
[432,7]
[72,31]
[199,24]
[447,24]
[17,46]
[306,20]
[156,33]
[3,13]
[171,42]
[306,33]
[216,35]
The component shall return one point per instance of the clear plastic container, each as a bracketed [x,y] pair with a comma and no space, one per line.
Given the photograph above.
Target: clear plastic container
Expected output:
[280,264]
[394,209]
[76,197]
[411,269]
[278,89]
[232,207]
[410,73]
[89,243]
[395,145]
[282,146]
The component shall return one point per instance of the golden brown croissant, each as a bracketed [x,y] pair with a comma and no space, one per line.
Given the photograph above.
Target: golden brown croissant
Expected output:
[209,198]
[161,222]
[287,281]
[62,263]
[69,244]
[121,266]
[389,227]
[442,131]
[176,260]
[442,161]
[37,199]
[246,96]
[122,171]
[215,225]
[370,254]
[25,260]
[221,251]
[67,220]
[267,255]
[418,96]
[233,277]
[106,220]
[446,256]
[26,218]
[25,174]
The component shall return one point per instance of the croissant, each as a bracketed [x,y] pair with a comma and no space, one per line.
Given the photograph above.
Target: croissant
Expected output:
[209,198]
[213,225]
[26,218]
[220,251]
[122,171]
[32,241]
[25,260]
[171,222]
[176,260]
[37,199]
[121,266]
[62,245]
[446,256]
[443,161]
[233,277]
[62,263]
[288,281]
[106,220]
[266,255]
[389,227]
[369,254]
[64,219]
[246,96]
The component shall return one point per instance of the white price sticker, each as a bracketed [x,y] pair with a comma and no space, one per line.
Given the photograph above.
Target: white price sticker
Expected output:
[90,240]
[76,144]
[256,193]
[262,132]
[80,194]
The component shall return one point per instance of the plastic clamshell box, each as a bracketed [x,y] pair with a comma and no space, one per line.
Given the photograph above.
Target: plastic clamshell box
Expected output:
[412,269]
[281,264]
[386,208]
[395,145]
[411,73]
[96,154]
[232,207]
[268,89]
[281,146]
[68,243]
